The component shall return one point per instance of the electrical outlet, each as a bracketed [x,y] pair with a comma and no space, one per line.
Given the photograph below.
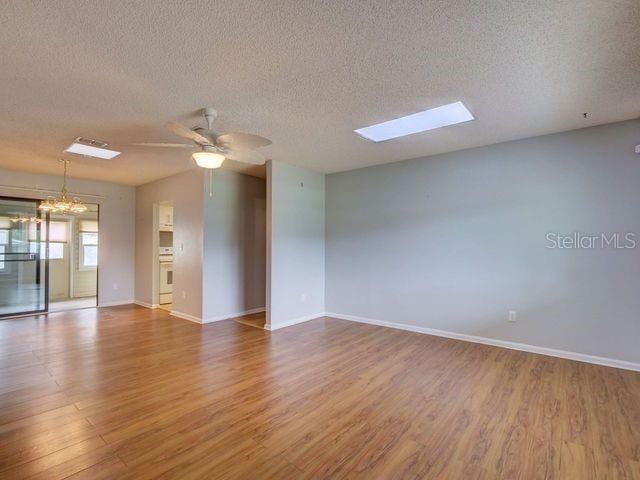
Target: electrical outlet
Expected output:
[513,316]
[303,297]
[184,295]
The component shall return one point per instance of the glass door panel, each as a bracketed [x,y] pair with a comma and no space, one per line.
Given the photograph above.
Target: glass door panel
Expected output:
[23,259]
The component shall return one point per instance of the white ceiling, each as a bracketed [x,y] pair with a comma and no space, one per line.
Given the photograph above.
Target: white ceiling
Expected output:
[305,74]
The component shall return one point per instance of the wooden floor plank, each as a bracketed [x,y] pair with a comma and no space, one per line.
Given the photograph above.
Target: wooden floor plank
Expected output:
[127,392]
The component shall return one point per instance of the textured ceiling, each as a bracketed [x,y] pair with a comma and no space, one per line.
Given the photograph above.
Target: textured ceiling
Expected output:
[305,74]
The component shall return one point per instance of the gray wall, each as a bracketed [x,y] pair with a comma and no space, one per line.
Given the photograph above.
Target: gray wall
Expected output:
[454,241]
[186,191]
[295,246]
[219,243]
[117,221]
[234,245]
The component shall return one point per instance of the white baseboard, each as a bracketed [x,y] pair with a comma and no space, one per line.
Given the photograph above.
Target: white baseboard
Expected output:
[114,304]
[579,357]
[227,316]
[145,304]
[295,321]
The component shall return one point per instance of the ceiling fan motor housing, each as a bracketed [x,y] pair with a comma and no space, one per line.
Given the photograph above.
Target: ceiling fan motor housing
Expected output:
[210,114]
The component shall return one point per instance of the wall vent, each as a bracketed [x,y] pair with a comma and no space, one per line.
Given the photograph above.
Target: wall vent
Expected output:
[91,142]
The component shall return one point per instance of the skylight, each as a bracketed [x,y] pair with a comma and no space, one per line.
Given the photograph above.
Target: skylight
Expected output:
[443,116]
[89,151]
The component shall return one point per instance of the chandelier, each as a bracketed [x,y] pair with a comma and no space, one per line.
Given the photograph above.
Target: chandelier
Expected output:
[22,219]
[62,204]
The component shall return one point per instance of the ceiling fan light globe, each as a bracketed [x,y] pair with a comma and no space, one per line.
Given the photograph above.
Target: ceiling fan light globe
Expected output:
[208,159]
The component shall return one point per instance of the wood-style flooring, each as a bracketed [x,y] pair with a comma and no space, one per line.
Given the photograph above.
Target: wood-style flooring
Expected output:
[166,306]
[72,304]
[256,320]
[131,393]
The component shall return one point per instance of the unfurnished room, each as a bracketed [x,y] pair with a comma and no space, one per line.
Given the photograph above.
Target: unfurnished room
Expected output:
[320,240]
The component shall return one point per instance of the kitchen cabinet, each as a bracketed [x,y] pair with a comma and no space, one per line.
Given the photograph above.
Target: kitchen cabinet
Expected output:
[165,218]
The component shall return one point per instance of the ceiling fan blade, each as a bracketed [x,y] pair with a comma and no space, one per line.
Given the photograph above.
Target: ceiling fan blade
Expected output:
[245,156]
[242,140]
[184,132]
[165,145]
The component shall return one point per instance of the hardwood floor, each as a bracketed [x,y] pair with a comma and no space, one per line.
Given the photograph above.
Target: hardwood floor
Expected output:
[72,304]
[127,392]
[256,320]
[166,306]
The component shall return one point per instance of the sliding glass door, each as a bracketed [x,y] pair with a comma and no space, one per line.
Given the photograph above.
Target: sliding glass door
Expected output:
[23,258]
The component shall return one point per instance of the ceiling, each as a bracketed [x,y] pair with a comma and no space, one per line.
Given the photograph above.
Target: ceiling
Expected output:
[304,74]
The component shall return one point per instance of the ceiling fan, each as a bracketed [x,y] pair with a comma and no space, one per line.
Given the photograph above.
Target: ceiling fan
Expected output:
[214,147]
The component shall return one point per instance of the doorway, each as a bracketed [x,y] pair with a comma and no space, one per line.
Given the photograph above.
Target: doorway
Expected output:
[73,260]
[164,238]
[48,262]
[23,262]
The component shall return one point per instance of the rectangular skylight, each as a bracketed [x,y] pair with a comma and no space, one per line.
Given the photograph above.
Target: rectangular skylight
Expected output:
[449,114]
[89,151]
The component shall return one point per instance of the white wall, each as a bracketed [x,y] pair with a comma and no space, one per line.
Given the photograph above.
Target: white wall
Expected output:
[186,191]
[117,226]
[454,241]
[295,245]
[234,245]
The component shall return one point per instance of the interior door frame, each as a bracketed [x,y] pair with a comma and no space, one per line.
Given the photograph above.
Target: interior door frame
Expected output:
[77,247]
[39,275]
[74,250]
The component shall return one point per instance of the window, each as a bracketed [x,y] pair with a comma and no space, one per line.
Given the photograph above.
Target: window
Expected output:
[58,233]
[56,249]
[88,254]
[89,226]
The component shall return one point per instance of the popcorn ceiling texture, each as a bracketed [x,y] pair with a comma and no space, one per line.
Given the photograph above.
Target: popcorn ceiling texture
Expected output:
[305,74]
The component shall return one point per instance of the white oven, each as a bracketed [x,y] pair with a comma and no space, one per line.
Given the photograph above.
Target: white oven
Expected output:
[166,279]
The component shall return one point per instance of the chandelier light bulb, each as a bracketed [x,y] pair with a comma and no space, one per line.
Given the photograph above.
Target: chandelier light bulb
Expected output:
[77,206]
